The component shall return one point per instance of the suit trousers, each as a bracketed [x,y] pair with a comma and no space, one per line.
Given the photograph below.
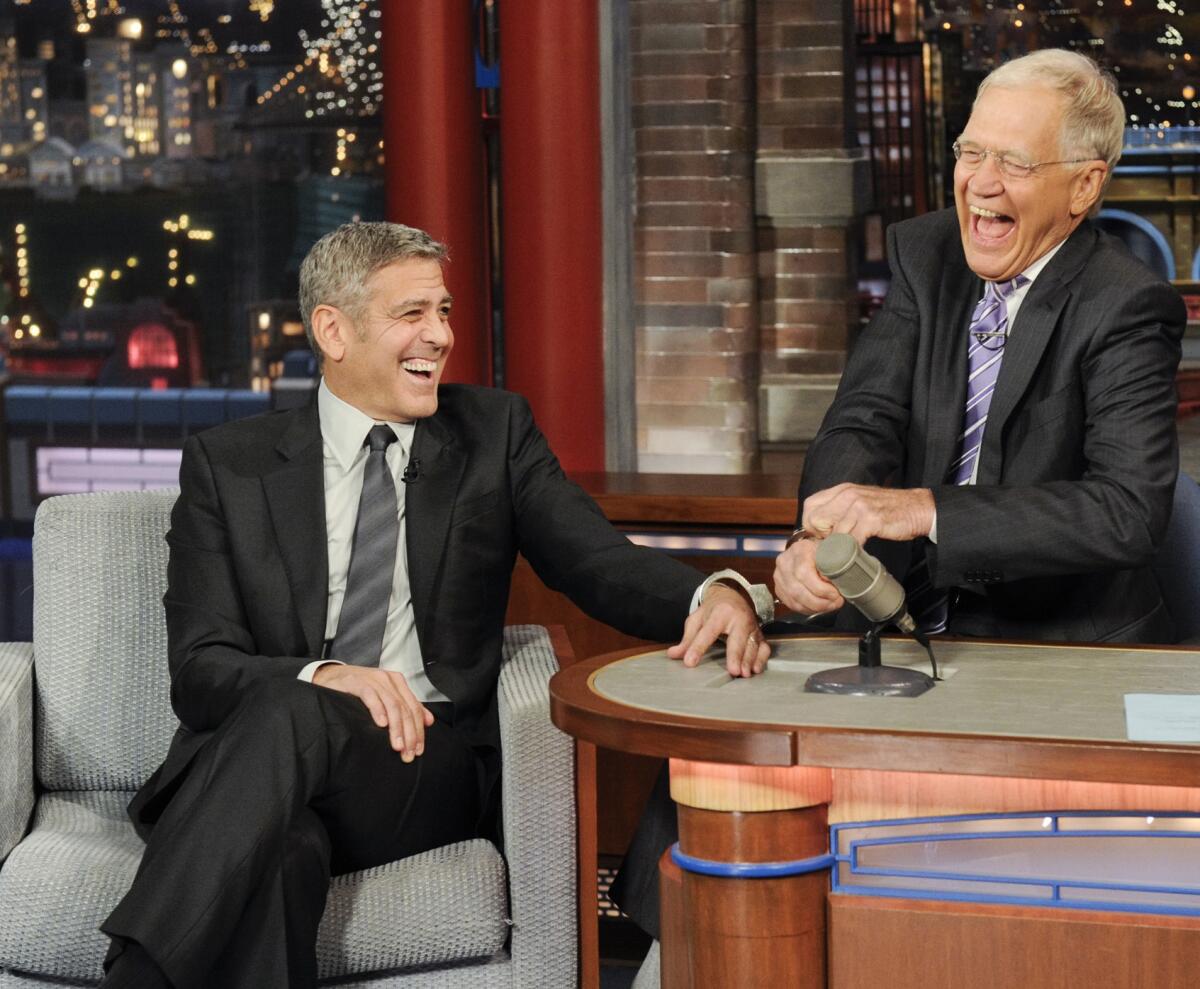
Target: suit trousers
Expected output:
[296,785]
[635,890]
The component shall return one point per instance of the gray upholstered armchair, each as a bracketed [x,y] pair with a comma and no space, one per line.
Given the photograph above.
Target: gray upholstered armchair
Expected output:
[85,718]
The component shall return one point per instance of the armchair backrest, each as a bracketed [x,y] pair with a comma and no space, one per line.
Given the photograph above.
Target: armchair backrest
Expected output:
[103,714]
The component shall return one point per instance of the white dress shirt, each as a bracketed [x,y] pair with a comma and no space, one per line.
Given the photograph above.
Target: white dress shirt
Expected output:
[343,434]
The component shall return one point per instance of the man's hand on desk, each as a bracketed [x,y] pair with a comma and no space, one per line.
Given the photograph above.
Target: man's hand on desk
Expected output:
[724,612]
[389,699]
[864,511]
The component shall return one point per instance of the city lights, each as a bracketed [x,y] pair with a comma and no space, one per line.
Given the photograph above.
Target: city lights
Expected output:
[22,239]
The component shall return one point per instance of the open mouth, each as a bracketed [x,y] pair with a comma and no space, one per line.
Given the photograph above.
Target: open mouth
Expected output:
[989,226]
[419,368]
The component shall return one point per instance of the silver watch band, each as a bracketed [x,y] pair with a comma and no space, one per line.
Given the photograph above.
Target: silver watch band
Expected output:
[760,596]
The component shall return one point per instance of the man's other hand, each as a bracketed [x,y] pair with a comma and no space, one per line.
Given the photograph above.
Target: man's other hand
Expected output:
[799,585]
[389,699]
[724,612]
[864,512]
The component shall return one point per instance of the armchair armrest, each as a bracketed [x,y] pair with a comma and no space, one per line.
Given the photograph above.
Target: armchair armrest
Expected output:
[539,814]
[16,742]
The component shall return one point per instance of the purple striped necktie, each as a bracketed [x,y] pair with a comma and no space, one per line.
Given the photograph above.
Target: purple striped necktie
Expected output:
[985,352]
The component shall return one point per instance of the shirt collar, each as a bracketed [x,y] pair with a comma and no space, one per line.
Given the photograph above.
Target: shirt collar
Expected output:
[344,428]
[1035,269]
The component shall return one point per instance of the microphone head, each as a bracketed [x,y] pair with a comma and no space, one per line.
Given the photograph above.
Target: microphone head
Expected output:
[859,577]
[834,554]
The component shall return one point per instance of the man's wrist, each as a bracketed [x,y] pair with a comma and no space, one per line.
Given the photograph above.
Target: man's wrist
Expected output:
[310,670]
[760,598]
[796,536]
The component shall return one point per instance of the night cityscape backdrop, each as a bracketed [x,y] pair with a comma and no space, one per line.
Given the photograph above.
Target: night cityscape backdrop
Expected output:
[186,153]
[166,164]
[189,152]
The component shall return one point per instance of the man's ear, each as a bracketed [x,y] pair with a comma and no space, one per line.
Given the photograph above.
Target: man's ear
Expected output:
[1087,187]
[331,329]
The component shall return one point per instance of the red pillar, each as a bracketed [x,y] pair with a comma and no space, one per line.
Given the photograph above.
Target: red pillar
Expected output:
[551,221]
[433,146]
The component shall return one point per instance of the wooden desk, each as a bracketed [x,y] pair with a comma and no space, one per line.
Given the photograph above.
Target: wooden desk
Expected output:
[1044,725]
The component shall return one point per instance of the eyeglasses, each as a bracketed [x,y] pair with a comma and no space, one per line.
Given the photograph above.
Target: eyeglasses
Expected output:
[971,157]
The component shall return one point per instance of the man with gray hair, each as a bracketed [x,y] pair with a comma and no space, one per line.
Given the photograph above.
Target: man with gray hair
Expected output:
[336,593]
[1005,427]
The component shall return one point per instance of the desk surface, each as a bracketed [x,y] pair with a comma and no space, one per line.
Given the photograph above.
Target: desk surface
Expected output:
[1052,712]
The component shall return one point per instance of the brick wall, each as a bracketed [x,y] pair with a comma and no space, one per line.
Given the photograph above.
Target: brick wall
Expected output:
[811,183]
[694,236]
[747,189]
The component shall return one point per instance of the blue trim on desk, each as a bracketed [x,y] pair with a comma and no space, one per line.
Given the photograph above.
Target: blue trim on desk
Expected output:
[749,870]
[1069,893]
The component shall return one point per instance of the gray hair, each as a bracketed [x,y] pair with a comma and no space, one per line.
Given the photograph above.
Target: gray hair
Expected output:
[1094,118]
[336,269]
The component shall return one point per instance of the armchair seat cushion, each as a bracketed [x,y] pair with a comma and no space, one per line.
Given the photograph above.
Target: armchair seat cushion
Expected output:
[79,859]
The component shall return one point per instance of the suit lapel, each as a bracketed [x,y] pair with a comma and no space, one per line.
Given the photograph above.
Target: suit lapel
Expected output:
[1030,334]
[295,494]
[961,289]
[429,502]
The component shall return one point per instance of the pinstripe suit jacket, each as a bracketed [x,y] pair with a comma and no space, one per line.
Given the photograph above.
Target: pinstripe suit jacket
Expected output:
[248,574]
[1079,457]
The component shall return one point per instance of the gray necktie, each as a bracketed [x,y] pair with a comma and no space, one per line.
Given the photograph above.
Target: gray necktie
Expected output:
[359,637]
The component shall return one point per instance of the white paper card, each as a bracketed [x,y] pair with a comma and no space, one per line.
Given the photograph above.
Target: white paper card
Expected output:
[1162,717]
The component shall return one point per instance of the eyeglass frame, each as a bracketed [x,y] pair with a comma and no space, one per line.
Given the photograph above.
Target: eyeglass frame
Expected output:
[1025,171]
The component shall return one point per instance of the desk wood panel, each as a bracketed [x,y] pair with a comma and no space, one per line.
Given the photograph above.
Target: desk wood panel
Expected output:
[911,944]
[743,500]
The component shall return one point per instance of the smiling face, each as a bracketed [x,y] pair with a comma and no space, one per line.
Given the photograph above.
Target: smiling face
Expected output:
[388,361]
[1006,224]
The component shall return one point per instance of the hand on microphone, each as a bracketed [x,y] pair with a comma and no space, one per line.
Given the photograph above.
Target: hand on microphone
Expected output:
[864,511]
[799,585]
[861,511]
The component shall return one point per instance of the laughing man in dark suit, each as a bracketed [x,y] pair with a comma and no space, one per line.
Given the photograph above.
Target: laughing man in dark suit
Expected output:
[1023,468]
[307,747]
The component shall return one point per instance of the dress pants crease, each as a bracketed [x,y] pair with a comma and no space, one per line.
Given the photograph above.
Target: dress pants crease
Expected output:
[296,784]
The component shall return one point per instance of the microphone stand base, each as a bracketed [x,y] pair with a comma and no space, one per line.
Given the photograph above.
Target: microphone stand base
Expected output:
[870,681]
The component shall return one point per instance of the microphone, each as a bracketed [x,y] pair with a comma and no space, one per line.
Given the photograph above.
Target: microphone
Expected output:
[412,472]
[862,580]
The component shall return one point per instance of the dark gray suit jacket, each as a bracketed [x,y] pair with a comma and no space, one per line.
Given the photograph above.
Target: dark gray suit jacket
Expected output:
[1079,457]
[247,582]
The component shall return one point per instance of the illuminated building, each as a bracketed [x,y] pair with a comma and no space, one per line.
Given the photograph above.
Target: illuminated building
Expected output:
[146,115]
[12,122]
[275,331]
[52,169]
[175,73]
[142,344]
[24,103]
[35,101]
[109,88]
[100,165]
